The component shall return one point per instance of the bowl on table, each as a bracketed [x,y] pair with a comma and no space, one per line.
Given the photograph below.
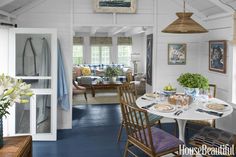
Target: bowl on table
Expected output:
[169,92]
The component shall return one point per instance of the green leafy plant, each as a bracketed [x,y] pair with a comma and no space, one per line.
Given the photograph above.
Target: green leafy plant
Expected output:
[193,80]
[12,91]
[112,71]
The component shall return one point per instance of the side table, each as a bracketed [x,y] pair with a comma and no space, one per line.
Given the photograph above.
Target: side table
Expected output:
[17,146]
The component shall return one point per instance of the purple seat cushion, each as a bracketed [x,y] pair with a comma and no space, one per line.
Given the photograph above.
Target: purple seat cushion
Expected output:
[162,141]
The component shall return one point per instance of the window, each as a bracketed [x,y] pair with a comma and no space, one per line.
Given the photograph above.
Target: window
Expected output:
[77,54]
[124,54]
[100,54]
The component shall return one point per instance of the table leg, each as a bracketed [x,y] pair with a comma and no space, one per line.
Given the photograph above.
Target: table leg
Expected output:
[93,91]
[181,126]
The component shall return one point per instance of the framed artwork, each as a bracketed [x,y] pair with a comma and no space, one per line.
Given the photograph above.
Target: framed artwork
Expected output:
[149,58]
[217,55]
[115,6]
[177,54]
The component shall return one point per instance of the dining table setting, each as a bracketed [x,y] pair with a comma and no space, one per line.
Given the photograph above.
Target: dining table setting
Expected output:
[183,108]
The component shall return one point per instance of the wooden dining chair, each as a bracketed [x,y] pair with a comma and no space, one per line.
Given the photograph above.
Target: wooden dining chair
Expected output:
[128,93]
[151,140]
[213,137]
[212,91]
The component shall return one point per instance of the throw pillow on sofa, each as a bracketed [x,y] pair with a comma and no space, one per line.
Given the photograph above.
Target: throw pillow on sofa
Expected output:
[86,71]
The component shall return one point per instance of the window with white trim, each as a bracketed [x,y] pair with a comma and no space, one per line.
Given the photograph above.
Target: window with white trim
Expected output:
[124,55]
[78,50]
[124,50]
[100,54]
[77,54]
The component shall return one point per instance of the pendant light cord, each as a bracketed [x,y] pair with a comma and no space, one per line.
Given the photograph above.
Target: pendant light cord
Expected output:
[184,6]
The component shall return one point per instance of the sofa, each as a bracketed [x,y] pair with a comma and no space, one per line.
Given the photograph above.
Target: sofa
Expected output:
[86,74]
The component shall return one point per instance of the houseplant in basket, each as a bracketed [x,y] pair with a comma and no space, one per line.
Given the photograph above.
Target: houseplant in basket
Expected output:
[11,91]
[192,82]
[112,73]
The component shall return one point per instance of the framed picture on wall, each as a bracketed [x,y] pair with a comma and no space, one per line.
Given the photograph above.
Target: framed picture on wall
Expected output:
[149,58]
[177,54]
[115,6]
[217,55]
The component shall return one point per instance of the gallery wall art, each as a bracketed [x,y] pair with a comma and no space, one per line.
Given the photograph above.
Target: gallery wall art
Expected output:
[177,54]
[218,55]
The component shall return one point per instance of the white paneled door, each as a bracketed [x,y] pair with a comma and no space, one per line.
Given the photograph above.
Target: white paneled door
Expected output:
[33,58]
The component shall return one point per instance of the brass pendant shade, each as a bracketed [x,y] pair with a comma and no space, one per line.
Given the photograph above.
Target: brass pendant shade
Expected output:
[184,24]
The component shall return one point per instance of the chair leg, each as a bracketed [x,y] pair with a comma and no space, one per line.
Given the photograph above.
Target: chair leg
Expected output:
[126,149]
[85,96]
[159,121]
[120,131]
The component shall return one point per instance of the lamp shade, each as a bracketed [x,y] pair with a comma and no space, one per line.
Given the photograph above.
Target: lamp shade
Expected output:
[135,57]
[184,24]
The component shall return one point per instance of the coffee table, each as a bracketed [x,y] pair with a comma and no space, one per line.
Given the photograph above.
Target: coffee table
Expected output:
[104,85]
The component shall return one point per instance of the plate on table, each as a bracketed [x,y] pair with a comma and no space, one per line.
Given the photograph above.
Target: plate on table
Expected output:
[216,106]
[164,107]
[151,95]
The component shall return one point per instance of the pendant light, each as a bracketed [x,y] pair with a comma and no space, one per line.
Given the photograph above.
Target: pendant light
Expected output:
[184,24]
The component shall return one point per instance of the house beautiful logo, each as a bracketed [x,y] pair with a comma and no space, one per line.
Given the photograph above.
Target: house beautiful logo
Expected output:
[225,150]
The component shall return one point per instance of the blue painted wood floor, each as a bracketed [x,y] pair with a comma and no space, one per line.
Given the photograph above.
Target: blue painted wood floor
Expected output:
[94,134]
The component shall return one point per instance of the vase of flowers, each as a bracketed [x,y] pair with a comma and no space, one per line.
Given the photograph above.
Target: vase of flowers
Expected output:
[11,91]
[192,82]
[112,73]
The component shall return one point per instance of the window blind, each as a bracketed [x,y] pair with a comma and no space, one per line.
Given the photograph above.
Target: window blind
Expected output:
[100,40]
[124,41]
[78,40]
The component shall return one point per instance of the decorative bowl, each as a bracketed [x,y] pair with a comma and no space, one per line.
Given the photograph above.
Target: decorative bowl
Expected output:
[169,92]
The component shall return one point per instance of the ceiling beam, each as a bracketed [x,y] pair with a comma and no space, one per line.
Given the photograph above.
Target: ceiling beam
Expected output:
[135,31]
[190,8]
[28,7]
[5,2]
[217,16]
[222,6]
[93,31]
[4,13]
[118,30]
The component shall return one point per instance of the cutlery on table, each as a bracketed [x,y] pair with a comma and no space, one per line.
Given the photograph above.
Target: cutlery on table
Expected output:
[145,99]
[148,106]
[210,112]
[178,112]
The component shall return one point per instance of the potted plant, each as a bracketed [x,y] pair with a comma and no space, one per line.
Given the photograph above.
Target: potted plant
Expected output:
[11,91]
[112,73]
[192,82]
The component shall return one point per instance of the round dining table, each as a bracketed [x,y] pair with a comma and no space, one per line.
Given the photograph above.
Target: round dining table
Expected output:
[190,113]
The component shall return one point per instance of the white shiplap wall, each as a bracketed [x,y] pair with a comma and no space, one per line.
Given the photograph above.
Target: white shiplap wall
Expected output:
[220,29]
[57,14]
[165,73]
[85,16]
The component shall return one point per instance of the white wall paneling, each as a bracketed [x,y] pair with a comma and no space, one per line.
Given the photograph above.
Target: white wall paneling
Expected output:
[156,13]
